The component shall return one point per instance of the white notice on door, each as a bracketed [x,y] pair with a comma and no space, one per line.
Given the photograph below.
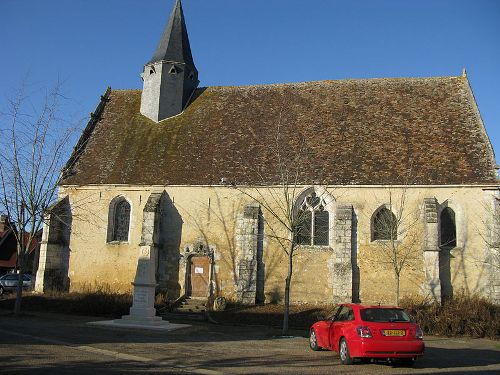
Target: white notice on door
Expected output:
[198,269]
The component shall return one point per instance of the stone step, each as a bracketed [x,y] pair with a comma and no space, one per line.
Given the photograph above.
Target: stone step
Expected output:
[185,308]
[194,302]
[193,305]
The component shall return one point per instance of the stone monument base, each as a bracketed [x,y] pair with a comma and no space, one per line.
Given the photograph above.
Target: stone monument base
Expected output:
[155,324]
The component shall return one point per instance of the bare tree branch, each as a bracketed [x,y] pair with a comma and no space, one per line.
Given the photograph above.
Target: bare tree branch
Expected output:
[34,145]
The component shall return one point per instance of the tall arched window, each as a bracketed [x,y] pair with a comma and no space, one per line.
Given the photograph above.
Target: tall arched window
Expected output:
[118,220]
[384,225]
[313,222]
[448,229]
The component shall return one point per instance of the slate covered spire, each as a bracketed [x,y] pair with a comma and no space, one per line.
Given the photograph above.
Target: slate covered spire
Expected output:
[170,77]
[174,43]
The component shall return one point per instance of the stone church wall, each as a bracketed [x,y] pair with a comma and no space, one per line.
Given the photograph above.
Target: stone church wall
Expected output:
[350,268]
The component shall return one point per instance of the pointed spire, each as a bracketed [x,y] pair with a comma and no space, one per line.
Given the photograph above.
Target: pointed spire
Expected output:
[170,77]
[174,43]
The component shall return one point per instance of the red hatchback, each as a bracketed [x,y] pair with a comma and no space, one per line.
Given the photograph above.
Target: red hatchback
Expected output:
[362,331]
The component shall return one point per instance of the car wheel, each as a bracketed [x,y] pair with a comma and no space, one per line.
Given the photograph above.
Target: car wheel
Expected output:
[345,357]
[313,341]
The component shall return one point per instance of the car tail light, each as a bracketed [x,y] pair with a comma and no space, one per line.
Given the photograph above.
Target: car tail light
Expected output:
[419,334]
[364,331]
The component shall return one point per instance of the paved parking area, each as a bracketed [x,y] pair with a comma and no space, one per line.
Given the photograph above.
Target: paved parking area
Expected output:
[59,344]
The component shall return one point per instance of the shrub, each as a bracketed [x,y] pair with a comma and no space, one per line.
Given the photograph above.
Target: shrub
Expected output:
[461,315]
[97,303]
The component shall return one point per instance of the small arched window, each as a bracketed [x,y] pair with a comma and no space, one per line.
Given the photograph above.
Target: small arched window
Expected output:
[313,222]
[384,225]
[119,220]
[448,229]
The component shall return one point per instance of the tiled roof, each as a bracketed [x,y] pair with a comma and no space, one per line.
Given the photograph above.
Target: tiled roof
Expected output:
[367,131]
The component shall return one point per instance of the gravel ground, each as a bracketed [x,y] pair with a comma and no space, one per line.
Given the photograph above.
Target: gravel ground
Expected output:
[47,343]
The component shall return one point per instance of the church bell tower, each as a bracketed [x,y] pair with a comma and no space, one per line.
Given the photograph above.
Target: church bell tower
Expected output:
[170,77]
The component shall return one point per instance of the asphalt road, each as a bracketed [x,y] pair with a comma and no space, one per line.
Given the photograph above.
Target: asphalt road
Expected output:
[59,344]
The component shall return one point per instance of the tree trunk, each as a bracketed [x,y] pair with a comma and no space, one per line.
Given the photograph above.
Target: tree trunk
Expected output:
[19,291]
[396,279]
[286,311]
[21,261]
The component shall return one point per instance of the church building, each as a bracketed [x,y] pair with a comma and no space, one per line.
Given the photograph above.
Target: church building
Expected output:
[395,180]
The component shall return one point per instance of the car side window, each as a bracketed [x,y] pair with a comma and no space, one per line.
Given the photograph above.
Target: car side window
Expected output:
[350,314]
[341,316]
[12,277]
[332,315]
[345,314]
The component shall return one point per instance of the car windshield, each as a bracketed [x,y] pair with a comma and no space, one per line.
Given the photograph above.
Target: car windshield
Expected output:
[384,315]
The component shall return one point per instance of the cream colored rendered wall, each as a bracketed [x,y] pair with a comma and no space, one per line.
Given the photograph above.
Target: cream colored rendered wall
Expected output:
[468,272]
[209,214]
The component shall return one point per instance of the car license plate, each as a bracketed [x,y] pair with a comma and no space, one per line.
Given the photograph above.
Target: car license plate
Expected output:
[394,332]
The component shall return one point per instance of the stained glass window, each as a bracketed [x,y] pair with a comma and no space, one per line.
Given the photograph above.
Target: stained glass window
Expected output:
[321,223]
[122,221]
[313,222]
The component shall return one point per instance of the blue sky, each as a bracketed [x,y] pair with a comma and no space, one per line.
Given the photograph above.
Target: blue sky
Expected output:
[92,44]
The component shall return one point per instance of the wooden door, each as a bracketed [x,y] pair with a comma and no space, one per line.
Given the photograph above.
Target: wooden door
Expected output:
[200,267]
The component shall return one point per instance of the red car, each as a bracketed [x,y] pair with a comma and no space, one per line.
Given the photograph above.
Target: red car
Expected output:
[363,331]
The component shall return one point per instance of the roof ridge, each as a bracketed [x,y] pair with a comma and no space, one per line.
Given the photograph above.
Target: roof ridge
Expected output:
[324,81]
[346,80]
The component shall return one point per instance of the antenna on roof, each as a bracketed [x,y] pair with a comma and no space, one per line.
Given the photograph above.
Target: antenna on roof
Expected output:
[464,72]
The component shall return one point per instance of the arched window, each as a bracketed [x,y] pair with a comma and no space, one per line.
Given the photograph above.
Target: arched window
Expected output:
[118,220]
[313,222]
[448,229]
[384,225]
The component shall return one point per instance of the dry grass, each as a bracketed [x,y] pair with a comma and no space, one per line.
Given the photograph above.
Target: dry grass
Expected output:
[97,303]
[302,316]
[461,316]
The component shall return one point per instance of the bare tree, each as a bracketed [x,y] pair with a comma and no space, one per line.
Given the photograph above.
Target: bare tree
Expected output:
[33,141]
[284,224]
[395,234]
[489,231]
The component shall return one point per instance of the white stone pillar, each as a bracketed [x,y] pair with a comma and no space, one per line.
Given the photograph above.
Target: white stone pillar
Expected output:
[143,311]
[53,262]
[42,260]
[246,239]
[432,284]
[342,265]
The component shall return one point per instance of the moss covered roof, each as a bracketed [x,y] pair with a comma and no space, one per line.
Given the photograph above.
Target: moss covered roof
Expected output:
[368,131]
